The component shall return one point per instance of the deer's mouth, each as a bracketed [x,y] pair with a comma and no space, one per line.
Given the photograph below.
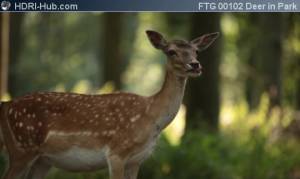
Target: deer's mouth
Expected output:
[198,70]
[194,69]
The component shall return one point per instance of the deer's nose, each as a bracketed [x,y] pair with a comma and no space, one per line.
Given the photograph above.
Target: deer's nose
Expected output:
[195,65]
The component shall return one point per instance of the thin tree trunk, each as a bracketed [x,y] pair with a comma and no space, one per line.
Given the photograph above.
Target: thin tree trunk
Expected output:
[15,46]
[298,86]
[112,48]
[0,56]
[297,21]
[203,93]
[253,84]
[269,54]
[4,53]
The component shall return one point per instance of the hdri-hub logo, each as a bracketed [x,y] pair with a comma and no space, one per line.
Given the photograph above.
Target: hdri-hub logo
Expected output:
[5,5]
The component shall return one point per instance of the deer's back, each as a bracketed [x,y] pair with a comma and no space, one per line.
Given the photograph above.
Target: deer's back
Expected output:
[83,119]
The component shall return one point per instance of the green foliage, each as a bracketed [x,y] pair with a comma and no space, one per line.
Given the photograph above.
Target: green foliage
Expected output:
[57,49]
[222,156]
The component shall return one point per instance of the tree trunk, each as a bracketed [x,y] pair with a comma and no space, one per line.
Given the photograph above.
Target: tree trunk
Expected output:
[5,17]
[112,48]
[253,84]
[298,86]
[16,43]
[263,36]
[203,93]
[297,21]
[0,36]
[269,54]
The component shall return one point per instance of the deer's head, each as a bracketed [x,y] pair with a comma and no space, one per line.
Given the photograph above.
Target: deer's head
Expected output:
[182,55]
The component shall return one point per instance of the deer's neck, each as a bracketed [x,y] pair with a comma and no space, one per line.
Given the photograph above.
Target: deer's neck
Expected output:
[167,101]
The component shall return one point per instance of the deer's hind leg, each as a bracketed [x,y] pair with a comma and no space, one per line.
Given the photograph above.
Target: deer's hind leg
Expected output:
[38,170]
[18,165]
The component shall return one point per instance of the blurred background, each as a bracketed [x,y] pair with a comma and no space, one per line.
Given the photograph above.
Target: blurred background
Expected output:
[240,119]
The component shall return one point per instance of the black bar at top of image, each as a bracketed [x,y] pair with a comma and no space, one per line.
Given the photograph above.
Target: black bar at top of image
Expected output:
[153,5]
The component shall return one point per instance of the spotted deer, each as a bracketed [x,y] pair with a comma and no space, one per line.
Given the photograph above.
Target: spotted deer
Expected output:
[79,132]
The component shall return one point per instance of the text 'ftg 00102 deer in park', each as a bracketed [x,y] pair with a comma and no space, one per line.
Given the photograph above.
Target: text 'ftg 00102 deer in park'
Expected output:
[78,132]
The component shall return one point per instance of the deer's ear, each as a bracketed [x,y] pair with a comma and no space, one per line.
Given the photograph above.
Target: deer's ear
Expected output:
[156,39]
[204,41]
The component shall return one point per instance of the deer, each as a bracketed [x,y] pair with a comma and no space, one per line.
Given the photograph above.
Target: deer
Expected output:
[88,132]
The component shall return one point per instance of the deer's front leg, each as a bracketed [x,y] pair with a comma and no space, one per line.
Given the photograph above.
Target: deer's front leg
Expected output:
[131,170]
[116,167]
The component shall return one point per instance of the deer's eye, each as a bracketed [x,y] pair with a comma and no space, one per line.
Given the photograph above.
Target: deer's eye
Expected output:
[172,52]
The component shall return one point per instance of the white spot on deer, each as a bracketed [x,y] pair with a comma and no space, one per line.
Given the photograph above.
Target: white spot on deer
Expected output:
[111,132]
[135,118]
[39,124]
[10,111]
[96,134]
[16,115]
[28,115]
[24,110]
[97,115]
[125,142]
[20,124]
[91,120]
[122,103]
[20,137]
[33,115]
[30,128]
[104,133]
[148,108]
[106,118]
[39,99]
